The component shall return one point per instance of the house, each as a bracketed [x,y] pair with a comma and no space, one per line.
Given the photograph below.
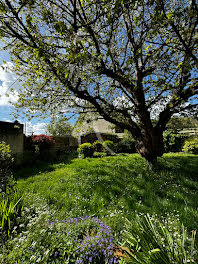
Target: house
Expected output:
[95,128]
[12,134]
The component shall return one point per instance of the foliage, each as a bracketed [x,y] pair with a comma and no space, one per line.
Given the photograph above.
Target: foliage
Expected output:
[127,135]
[131,61]
[109,188]
[98,146]
[109,146]
[11,206]
[42,141]
[72,240]
[126,146]
[86,149]
[191,146]
[59,127]
[115,186]
[173,141]
[100,154]
[39,143]
[6,162]
[179,123]
[152,240]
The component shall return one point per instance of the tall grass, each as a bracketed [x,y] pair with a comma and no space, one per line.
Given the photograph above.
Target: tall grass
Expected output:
[11,206]
[113,187]
[151,240]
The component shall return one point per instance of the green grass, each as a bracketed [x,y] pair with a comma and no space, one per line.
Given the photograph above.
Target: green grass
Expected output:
[117,187]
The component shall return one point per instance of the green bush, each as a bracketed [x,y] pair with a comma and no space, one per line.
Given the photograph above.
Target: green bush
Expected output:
[126,146]
[173,142]
[86,150]
[100,154]
[6,162]
[151,240]
[40,146]
[191,146]
[98,146]
[109,146]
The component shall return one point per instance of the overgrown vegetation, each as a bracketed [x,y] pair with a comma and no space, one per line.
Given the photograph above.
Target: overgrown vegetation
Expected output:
[39,143]
[86,150]
[173,141]
[160,241]
[6,161]
[191,146]
[110,189]
[10,198]
[11,205]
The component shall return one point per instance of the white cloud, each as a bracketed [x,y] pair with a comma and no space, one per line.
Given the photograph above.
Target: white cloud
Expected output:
[7,120]
[36,129]
[8,80]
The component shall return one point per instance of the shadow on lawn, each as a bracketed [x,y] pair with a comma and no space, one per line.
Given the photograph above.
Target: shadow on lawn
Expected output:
[184,165]
[172,188]
[40,166]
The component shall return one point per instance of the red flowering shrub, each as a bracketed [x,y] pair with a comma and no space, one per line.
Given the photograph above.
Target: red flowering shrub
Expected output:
[39,142]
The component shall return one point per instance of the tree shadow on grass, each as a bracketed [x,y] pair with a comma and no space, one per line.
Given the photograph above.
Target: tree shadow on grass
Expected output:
[38,166]
[174,187]
[184,165]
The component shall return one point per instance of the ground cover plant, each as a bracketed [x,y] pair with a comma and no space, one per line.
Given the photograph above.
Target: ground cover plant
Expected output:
[113,189]
[71,240]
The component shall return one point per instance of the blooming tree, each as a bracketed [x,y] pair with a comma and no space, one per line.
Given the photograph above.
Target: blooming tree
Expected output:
[122,59]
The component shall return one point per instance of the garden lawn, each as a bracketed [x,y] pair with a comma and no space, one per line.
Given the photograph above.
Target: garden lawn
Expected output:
[116,187]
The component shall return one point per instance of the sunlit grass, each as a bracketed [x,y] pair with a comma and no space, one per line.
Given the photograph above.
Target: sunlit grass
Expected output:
[119,186]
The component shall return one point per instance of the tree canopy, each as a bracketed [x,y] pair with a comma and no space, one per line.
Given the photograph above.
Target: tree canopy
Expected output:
[59,127]
[127,60]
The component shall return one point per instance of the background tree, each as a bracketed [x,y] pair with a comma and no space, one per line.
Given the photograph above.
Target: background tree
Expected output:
[59,127]
[127,60]
[179,123]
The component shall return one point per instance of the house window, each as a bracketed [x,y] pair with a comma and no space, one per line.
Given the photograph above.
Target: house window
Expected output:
[119,130]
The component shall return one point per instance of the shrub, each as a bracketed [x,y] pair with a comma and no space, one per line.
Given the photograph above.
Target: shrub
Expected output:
[173,142]
[109,146]
[158,241]
[40,146]
[126,146]
[73,240]
[86,149]
[39,143]
[6,162]
[98,146]
[43,142]
[191,146]
[100,154]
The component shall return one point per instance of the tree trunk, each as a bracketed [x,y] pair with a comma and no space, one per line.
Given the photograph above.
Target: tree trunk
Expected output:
[150,145]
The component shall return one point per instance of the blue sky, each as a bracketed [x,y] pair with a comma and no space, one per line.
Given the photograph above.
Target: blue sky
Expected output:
[8,80]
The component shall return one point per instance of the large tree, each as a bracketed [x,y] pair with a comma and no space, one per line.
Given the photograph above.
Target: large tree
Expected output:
[131,61]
